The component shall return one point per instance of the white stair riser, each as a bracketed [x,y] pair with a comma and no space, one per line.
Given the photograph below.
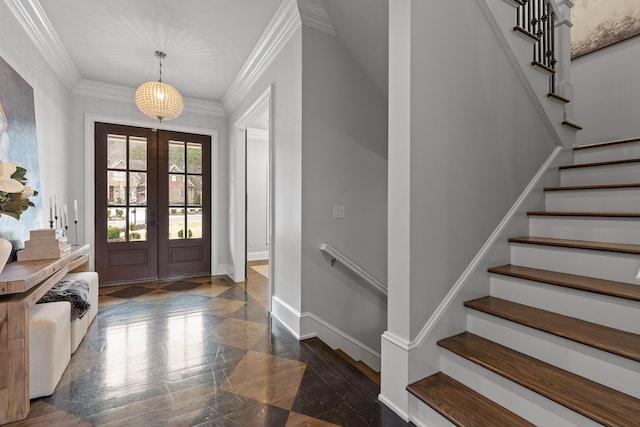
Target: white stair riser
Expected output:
[519,400]
[604,310]
[600,264]
[423,416]
[613,230]
[606,200]
[599,366]
[600,175]
[608,153]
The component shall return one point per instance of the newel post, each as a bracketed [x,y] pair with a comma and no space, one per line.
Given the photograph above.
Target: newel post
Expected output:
[563,25]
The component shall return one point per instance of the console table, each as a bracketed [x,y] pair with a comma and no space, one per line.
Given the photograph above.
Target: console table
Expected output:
[22,284]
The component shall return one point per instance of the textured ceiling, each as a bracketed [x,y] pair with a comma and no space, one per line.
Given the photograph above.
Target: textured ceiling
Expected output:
[206,41]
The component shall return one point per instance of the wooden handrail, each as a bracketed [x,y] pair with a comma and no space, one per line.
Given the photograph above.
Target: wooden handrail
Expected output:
[337,256]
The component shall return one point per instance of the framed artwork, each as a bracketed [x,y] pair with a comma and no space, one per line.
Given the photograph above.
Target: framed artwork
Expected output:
[18,143]
[601,23]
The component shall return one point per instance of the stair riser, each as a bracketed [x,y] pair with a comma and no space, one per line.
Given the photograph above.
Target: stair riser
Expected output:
[522,401]
[599,264]
[609,200]
[604,368]
[423,416]
[601,175]
[629,150]
[612,230]
[604,310]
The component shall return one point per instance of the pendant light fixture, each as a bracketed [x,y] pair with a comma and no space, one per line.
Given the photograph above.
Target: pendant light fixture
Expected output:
[159,99]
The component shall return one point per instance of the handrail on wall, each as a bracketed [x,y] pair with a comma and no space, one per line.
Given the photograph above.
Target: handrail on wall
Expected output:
[337,256]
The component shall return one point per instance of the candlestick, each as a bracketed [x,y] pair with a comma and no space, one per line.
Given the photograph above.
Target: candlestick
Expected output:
[55,205]
[51,209]
[75,210]
[51,223]
[76,223]
[66,216]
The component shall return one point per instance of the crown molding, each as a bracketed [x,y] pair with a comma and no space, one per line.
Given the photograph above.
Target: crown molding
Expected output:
[94,89]
[282,26]
[36,24]
[314,14]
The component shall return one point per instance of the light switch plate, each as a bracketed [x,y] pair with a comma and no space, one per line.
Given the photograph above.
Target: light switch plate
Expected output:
[338,212]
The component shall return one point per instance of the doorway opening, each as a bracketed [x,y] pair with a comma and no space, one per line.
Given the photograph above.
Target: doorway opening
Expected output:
[253,207]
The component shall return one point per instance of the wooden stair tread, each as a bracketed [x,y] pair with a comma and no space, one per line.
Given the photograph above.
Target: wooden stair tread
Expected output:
[595,401]
[461,405]
[579,244]
[595,164]
[583,283]
[558,97]
[586,214]
[594,187]
[605,144]
[572,125]
[615,341]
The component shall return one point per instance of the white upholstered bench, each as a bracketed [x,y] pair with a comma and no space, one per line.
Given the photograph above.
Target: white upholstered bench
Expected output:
[53,337]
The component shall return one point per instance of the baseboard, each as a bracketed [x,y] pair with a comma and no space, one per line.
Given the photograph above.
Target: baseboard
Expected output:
[223,270]
[257,256]
[287,316]
[394,408]
[313,325]
[307,325]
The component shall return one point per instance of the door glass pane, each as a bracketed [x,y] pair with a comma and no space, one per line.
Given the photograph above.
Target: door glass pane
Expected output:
[138,188]
[116,187]
[176,190]
[115,225]
[176,223]
[194,157]
[194,190]
[194,224]
[116,151]
[176,156]
[138,153]
[137,224]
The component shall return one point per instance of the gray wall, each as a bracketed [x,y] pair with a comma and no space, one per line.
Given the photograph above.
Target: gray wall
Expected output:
[257,181]
[607,92]
[344,162]
[51,101]
[476,142]
[284,73]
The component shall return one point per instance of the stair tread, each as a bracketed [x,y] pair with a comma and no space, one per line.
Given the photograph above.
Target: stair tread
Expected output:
[590,284]
[595,164]
[461,405]
[579,244]
[615,341]
[572,125]
[587,214]
[558,97]
[605,144]
[593,187]
[595,401]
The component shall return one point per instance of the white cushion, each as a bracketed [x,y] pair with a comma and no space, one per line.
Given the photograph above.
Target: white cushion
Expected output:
[49,346]
[79,326]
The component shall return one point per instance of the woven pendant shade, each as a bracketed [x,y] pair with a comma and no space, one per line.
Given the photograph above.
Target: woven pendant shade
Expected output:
[160,100]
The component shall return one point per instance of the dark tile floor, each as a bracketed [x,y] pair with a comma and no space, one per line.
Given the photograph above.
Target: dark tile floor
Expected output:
[204,352]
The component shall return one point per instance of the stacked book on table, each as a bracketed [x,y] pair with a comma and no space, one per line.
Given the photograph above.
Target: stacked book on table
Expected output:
[45,243]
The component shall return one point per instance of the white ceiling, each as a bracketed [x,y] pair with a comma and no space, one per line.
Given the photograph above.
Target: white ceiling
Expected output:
[206,41]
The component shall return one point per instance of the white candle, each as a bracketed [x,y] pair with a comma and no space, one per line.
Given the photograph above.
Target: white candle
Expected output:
[50,208]
[75,210]
[55,206]
[66,219]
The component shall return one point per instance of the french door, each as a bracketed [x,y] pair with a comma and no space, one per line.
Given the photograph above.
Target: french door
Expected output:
[153,207]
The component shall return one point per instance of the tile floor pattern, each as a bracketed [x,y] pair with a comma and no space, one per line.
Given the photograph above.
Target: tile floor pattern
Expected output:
[204,352]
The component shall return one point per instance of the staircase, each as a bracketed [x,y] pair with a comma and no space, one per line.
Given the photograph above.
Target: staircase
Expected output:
[556,342]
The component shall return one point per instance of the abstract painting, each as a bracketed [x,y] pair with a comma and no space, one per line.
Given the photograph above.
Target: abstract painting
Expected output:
[18,143]
[601,23]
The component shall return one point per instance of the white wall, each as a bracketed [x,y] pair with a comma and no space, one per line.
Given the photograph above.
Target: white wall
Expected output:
[344,163]
[607,92]
[125,111]
[51,101]
[257,181]
[284,76]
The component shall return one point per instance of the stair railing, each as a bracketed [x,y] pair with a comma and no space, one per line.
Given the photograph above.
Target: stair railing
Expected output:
[537,19]
[334,256]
